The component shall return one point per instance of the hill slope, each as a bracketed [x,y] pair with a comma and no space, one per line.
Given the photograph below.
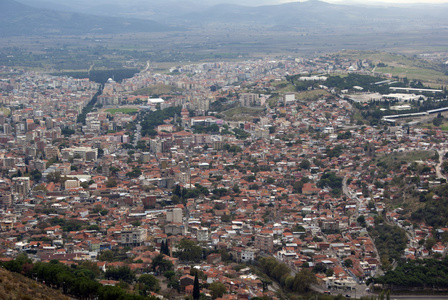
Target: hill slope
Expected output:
[16,286]
[20,19]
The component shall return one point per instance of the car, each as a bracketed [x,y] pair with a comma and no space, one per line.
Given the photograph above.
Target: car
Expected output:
[327,292]
[347,296]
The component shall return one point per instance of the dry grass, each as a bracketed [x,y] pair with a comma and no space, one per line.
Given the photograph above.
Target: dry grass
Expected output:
[16,286]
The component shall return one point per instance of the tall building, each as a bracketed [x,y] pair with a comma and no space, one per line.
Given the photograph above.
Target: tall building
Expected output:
[133,237]
[264,242]
[21,185]
[249,99]
[174,216]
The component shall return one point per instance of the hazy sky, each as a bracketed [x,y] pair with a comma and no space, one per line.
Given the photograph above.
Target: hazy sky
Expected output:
[374,1]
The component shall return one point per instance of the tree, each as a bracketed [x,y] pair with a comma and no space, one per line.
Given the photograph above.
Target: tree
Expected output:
[218,289]
[111,183]
[361,221]
[196,291]
[121,273]
[348,263]
[107,255]
[303,281]
[159,263]
[164,249]
[305,164]
[430,242]
[188,251]
[150,282]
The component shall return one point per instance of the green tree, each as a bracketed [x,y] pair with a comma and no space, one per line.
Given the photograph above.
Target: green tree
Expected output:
[305,164]
[348,263]
[196,290]
[218,289]
[303,281]
[150,282]
[160,264]
[188,251]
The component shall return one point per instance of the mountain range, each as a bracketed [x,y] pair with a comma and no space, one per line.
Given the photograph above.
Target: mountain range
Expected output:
[19,17]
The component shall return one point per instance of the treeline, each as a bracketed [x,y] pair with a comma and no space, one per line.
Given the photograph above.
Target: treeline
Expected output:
[345,83]
[88,108]
[101,76]
[426,273]
[156,118]
[280,272]
[77,280]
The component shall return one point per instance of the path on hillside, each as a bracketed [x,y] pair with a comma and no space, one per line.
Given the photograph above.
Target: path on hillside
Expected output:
[438,167]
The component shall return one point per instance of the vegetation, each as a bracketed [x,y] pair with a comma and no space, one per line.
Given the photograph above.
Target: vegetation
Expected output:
[187,250]
[157,90]
[329,179]
[88,108]
[156,118]
[426,273]
[101,76]
[16,286]
[242,113]
[77,281]
[280,272]
[124,110]
[390,241]
[435,211]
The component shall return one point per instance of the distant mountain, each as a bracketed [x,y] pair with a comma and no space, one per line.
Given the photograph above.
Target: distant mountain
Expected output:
[313,16]
[321,15]
[158,10]
[20,19]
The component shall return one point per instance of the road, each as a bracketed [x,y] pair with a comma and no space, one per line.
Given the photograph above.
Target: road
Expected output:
[438,167]
[148,64]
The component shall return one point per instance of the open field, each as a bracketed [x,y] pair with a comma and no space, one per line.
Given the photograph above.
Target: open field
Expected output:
[5,111]
[207,44]
[402,66]
[311,95]
[158,89]
[242,113]
[423,74]
[124,110]
[408,157]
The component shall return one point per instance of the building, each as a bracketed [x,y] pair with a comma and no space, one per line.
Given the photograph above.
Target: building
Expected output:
[71,184]
[249,99]
[248,254]
[175,229]
[291,97]
[21,185]
[264,242]
[174,215]
[202,235]
[133,237]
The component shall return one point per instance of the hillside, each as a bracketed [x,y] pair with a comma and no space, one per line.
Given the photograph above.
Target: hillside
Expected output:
[20,19]
[16,286]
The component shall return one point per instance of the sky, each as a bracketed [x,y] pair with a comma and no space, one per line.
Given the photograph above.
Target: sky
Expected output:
[373,1]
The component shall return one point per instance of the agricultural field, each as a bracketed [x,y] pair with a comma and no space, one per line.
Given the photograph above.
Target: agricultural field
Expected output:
[401,65]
